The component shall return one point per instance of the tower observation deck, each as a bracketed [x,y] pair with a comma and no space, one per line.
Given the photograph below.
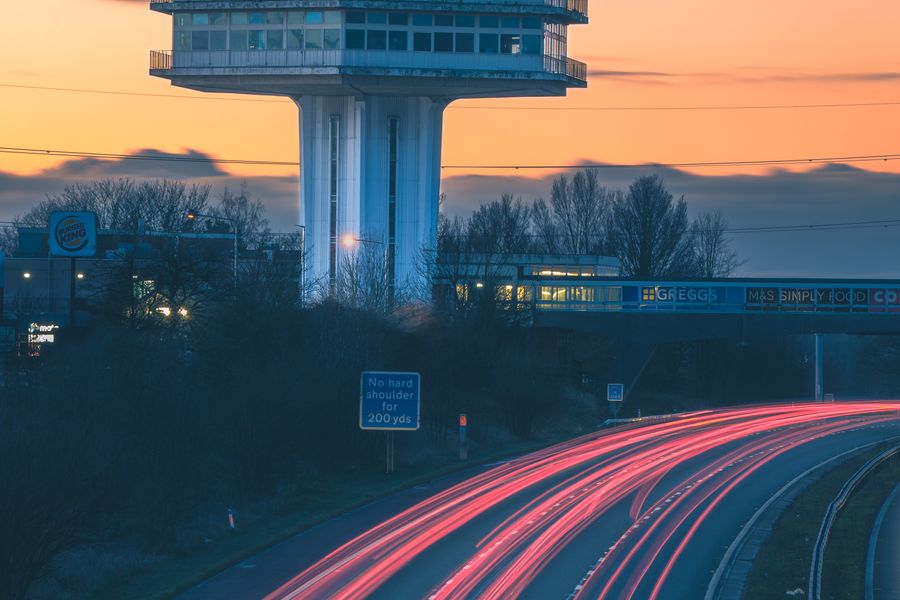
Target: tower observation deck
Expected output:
[371,79]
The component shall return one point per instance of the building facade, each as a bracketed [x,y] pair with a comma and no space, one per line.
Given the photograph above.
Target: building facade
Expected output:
[371,80]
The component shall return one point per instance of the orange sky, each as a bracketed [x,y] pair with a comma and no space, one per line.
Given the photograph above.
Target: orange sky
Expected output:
[655,53]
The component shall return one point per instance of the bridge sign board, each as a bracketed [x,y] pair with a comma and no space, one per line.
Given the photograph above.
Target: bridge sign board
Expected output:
[389,401]
[615,392]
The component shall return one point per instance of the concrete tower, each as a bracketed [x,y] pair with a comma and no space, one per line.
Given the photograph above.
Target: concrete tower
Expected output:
[372,80]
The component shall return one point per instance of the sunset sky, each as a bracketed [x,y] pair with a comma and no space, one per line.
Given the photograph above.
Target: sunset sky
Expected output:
[653,53]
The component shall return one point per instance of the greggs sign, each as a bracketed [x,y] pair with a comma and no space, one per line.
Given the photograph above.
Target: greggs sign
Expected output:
[73,233]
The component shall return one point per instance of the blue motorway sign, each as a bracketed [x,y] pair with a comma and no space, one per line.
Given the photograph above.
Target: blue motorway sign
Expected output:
[615,392]
[389,401]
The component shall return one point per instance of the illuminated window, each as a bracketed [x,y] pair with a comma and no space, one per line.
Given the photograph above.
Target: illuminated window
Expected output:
[648,294]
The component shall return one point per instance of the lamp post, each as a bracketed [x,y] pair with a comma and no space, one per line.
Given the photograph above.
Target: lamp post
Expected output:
[302,229]
[193,216]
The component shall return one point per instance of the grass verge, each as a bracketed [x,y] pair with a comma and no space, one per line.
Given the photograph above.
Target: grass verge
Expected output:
[844,568]
[782,565]
[327,499]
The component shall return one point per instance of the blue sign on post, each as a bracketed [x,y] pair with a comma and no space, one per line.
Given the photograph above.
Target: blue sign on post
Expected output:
[389,401]
[615,392]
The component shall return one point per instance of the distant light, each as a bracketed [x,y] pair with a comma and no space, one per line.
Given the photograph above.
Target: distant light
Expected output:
[509,287]
[183,312]
[26,275]
[190,215]
[164,311]
[348,240]
[479,285]
[80,276]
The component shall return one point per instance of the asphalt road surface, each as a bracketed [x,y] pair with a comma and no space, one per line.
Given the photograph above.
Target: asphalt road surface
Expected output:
[642,511]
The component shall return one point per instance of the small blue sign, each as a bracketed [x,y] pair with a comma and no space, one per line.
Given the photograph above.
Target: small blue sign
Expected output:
[389,401]
[615,392]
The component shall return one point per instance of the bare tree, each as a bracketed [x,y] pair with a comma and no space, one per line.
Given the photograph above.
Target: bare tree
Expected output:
[246,214]
[500,227]
[713,255]
[650,231]
[574,221]
[126,205]
[364,280]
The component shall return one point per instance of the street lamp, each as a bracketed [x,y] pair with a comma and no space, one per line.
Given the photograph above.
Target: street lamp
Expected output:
[192,216]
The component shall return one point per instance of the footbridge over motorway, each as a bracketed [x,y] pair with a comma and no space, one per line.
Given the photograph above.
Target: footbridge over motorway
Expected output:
[642,314]
[688,310]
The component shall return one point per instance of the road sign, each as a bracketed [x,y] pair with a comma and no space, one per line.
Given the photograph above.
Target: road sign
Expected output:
[73,233]
[389,401]
[615,392]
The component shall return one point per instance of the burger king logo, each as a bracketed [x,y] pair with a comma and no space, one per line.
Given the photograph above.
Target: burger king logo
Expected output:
[71,233]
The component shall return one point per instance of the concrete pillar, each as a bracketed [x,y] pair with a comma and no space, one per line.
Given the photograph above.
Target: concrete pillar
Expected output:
[363,182]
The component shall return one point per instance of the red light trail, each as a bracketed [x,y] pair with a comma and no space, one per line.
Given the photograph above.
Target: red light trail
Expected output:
[574,484]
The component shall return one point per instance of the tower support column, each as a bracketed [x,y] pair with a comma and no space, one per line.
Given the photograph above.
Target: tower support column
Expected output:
[370,170]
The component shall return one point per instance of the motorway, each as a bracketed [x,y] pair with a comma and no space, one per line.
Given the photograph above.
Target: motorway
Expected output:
[640,511]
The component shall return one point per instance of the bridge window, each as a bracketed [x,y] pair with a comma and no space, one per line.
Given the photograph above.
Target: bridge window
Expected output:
[274,18]
[315,39]
[422,42]
[422,20]
[465,42]
[489,43]
[295,39]
[376,39]
[199,40]
[398,40]
[356,39]
[443,41]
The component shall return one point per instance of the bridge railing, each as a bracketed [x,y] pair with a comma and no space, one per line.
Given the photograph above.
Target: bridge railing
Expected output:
[714,297]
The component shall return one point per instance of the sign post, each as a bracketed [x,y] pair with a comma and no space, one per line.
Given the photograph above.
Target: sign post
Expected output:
[72,234]
[389,402]
[463,442]
[615,395]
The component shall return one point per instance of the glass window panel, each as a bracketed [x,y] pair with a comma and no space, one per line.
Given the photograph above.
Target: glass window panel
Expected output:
[218,18]
[199,40]
[376,39]
[332,17]
[398,40]
[218,40]
[443,42]
[332,39]
[182,40]
[421,20]
[465,20]
[531,44]
[314,18]
[314,39]
[356,39]
[489,43]
[395,18]
[257,18]
[239,18]
[257,39]
[296,17]
[509,22]
[465,42]
[295,39]
[489,21]
[275,39]
[531,23]
[200,19]
[422,41]
[510,43]
[275,17]
[377,18]
[182,19]
[239,40]
[443,20]
[357,18]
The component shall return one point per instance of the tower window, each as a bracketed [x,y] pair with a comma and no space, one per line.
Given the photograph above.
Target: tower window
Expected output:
[398,18]
[422,20]
[356,39]
[465,42]
[376,39]
[295,39]
[421,41]
[443,41]
[332,39]
[315,39]
[489,43]
[398,40]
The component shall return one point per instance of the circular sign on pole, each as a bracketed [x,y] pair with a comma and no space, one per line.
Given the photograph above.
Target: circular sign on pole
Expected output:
[73,234]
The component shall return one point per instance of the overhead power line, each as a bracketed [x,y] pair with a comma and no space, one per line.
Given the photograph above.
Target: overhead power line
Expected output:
[480,107]
[197,159]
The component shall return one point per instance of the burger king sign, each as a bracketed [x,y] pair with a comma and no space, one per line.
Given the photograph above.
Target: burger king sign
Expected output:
[73,233]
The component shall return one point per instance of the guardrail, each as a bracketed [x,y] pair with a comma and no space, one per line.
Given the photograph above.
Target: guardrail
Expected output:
[566,66]
[818,554]
[161,59]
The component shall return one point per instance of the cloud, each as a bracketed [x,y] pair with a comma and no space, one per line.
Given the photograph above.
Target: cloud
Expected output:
[279,194]
[828,194]
[744,75]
